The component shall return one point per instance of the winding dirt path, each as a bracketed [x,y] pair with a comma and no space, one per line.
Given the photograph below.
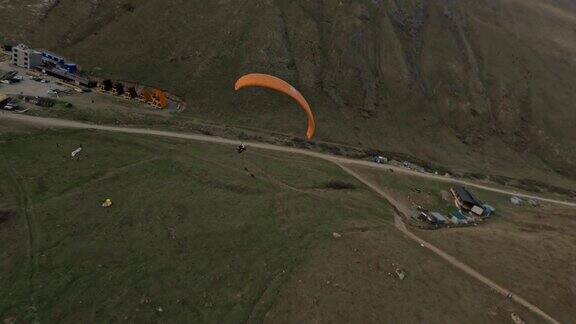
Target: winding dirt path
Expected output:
[399,224]
[342,162]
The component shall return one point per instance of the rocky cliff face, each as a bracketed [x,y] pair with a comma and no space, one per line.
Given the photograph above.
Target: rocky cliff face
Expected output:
[488,85]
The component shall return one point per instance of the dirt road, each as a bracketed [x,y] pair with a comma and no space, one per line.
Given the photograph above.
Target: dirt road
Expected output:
[52,122]
[400,208]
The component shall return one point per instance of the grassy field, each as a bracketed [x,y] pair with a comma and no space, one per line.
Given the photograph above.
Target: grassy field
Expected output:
[192,235]
[200,233]
[353,281]
[110,110]
[529,250]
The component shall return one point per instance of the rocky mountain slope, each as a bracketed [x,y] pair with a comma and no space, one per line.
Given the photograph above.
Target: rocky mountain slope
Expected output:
[486,86]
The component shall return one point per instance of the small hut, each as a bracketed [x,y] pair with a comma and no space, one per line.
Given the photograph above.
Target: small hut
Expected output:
[131,93]
[159,99]
[118,89]
[105,85]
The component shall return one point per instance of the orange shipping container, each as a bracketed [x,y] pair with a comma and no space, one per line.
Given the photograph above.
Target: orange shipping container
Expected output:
[145,96]
[160,99]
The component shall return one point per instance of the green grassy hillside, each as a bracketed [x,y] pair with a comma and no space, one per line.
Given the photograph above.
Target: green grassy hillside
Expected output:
[196,233]
[485,86]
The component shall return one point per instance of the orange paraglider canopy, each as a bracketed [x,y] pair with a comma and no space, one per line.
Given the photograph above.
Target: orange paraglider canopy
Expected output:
[274,83]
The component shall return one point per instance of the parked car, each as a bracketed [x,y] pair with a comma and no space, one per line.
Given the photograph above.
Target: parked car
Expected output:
[380,160]
[11,106]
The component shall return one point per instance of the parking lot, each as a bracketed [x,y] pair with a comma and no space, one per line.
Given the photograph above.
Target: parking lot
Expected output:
[31,85]
[27,86]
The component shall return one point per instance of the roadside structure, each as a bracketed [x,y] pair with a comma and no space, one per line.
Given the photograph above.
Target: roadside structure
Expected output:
[49,64]
[53,59]
[159,99]
[64,75]
[25,57]
[465,200]
[441,219]
[118,89]
[145,96]
[131,93]
[426,217]
[105,85]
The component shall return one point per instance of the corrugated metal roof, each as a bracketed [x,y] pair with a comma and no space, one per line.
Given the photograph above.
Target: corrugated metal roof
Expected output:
[439,217]
[466,196]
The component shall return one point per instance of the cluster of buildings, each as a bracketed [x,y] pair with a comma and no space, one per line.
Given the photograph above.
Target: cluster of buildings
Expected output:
[153,97]
[49,64]
[470,210]
[56,66]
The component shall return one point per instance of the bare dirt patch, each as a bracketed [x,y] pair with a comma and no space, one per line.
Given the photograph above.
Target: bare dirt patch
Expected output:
[13,127]
[529,250]
[532,251]
[353,280]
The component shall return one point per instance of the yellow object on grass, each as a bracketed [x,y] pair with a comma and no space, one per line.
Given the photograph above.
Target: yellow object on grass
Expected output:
[107,203]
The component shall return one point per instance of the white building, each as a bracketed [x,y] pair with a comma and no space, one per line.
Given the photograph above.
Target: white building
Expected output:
[25,57]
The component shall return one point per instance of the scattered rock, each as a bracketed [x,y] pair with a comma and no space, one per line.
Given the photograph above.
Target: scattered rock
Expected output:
[336,235]
[400,273]
[517,318]
[145,300]
[516,201]
[533,202]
